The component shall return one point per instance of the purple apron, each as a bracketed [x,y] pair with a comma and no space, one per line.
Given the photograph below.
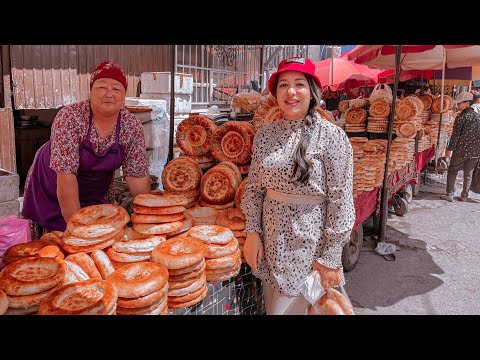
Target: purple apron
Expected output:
[95,174]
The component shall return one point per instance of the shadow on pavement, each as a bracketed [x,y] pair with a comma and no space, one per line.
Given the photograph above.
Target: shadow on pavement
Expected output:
[376,282]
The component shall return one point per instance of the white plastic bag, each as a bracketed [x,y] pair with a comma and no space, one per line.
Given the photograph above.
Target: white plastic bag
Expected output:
[311,287]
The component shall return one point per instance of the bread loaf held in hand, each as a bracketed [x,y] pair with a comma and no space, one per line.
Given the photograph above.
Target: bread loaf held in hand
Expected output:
[332,302]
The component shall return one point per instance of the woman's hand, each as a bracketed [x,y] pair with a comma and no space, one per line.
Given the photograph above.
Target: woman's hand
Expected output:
[253,250]
[330,277]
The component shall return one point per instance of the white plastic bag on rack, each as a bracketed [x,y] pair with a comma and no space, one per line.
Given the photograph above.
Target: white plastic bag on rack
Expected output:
[159,139]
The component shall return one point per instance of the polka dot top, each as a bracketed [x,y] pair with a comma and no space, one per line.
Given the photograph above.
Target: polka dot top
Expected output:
[296,235]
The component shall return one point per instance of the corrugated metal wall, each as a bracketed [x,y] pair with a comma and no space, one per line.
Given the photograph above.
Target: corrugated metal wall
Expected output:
[50,76]
[7,132]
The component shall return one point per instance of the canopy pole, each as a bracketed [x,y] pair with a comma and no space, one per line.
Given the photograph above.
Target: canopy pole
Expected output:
[172,101]
[331,66]
[384,193]
[421,78]
[441,110]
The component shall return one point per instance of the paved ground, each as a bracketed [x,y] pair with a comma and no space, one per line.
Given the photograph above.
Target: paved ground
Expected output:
[437,265]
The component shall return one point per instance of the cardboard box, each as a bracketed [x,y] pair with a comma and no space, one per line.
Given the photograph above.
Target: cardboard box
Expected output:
[9,186]
[160,82]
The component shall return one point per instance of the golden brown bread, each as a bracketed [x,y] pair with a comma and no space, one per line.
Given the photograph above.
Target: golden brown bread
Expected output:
[31,275]
[3,302]
[98,220]
[89,297]
[139,279]
[179,252]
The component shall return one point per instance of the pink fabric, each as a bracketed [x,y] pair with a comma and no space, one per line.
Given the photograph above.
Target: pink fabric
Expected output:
[365,204]
[422,158]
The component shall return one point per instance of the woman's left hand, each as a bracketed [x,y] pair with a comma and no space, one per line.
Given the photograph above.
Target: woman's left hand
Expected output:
[330,277]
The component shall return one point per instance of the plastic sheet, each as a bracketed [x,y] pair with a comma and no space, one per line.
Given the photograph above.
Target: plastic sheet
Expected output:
[157,140]
[13,231]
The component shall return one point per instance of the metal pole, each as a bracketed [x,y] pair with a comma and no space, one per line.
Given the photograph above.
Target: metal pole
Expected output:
[331,66]
[261,82]
[384,193]
[441,110]
[172,101]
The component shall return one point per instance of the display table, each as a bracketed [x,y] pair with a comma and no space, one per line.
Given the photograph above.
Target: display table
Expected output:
[365,205]
[241,295]
[423,158]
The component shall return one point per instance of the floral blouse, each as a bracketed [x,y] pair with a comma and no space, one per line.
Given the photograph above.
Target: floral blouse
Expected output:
[296,235]
[69,130]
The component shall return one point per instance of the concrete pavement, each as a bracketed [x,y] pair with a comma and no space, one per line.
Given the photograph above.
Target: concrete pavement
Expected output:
[437,265]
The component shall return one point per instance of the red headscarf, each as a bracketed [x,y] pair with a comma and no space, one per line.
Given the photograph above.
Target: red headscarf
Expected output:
[111,70]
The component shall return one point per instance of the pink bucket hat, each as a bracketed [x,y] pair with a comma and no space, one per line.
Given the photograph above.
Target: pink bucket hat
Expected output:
[303,65]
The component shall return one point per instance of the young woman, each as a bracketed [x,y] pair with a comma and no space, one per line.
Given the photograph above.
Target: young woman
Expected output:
[298,200]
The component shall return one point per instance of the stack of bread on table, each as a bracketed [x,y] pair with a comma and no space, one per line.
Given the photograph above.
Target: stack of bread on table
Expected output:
[369,158]
[142,288]
[379,111]
[95,227]
[356,116]
[222,254]
[29,281]
[402,152]
[184,257]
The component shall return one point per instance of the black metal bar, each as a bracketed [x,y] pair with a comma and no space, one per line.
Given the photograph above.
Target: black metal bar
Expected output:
[384,193]
[172,101]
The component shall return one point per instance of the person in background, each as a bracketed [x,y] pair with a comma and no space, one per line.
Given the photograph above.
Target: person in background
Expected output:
[323,106]
[352,89]
[89,141]
[464,146]
[476,103]
[298,200]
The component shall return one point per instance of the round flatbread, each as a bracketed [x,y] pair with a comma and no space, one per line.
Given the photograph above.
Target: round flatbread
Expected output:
[181,174]
[179,252]
[98,220]
[194,133]
[89,297]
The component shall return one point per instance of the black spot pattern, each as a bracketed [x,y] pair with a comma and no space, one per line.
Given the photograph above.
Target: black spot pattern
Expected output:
[294,236]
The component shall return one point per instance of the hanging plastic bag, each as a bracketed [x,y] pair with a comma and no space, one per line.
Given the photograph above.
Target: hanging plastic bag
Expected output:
[382,92]
[12,231]
[333,302]
[330,302]
[311,287]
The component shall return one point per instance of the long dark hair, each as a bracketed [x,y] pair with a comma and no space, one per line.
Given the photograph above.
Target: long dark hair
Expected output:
[302,167]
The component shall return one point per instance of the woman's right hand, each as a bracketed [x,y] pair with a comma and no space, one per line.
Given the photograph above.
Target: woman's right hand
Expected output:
[253,250]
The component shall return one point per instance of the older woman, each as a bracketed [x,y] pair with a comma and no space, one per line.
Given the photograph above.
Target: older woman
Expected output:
[89,141]
[298,200]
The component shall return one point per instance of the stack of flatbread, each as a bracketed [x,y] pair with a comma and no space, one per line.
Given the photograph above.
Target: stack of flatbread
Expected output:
[27,282]
[373,161]
[142,289]
[184,257]
[358,171]
[355,118]
[234,219]
[158,214]
[133,247]
[95,227]
[222,255]
[88,297]
[402,151]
